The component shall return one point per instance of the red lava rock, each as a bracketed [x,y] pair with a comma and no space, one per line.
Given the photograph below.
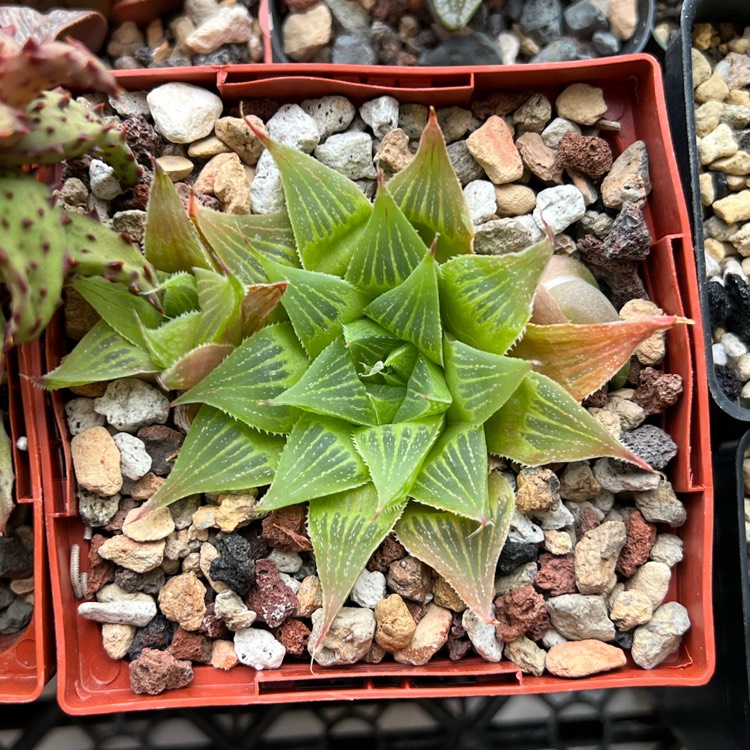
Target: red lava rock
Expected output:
[657,390]
[458,644]
[585,153]
[254,536]
[621,276]
[96,541]
[588,520]
[286,529]
[115,523]
[641,537]
[416,610]
[388,552]
[145,143]
[190,646]
[100,575]
[556,574]
[155,671]
[270,598]
[536,632]
[389,10]
[498,103]
[520,610]
[214,626]
[162,444]
[598,399]
[297,6]
[293,635]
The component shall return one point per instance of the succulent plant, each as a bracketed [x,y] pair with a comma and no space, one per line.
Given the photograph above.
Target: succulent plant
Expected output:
[454,14]
[40,244]
[404,360]
[191,320]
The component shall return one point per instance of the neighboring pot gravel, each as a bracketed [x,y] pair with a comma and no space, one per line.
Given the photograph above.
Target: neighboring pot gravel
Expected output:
[406,32]
[721,81]
[584,576]
[204,33]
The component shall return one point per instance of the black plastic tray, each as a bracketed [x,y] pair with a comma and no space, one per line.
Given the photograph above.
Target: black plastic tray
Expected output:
[678,84]
[637,43]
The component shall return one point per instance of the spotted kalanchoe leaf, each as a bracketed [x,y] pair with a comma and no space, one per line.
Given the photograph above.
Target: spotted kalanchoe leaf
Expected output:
[393,377]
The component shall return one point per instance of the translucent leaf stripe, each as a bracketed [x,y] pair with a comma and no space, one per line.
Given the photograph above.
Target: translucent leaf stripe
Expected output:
[260,369]
[102,354]
[331,386]
[394,454]
[119,308]
[218,454]
[319,459]
[454,476]
[344,536]
[542,423]
[464,553]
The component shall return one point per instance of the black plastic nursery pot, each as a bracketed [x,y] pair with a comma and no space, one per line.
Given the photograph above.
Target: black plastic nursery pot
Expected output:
[679,92]
[637,43]
[91,683]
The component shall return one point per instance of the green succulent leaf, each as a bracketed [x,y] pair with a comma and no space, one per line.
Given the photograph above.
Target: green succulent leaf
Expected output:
[327,211]
[487,300]
[431,197]
[399,364]
[319,459]
[318,304]
[394,454]
[344,532]
[192,367]
[454,476]
[386,400]
[460,550]
[229,236]
[219,454]
[102,354]
[427,392]
[220,299]
[171,241]
[542,423]
[260,369]
[455,14]
[480,382]
[95,250]
[122,310]
[179,293]
[411,311]
[368,342]
[331,387]
[389,250]
[555,350]
[173,339]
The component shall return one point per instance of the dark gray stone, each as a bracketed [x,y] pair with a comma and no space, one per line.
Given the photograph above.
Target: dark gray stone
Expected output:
[605,43]
[541,20]
[558,51]
[652,444]
[473,49]
[15,560]
[6,596]
[16,617]
[235,564]
[583,19]
[464,164]
[352,49]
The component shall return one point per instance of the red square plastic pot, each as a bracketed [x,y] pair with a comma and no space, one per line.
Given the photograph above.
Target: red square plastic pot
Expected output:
[26,658]
[90,683]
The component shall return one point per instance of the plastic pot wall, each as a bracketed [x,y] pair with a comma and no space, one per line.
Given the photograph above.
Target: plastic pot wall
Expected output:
[89,682]
[679,91]
[26,658]
[637,43]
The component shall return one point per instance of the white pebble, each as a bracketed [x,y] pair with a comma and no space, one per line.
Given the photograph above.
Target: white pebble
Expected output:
[369,588]
[286,562]
[719,355]
[184,113]
[480,195]
[733,346]
[381,115]
[292,126]
[258,649]
[482,636]
[134,459]
[558,207]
